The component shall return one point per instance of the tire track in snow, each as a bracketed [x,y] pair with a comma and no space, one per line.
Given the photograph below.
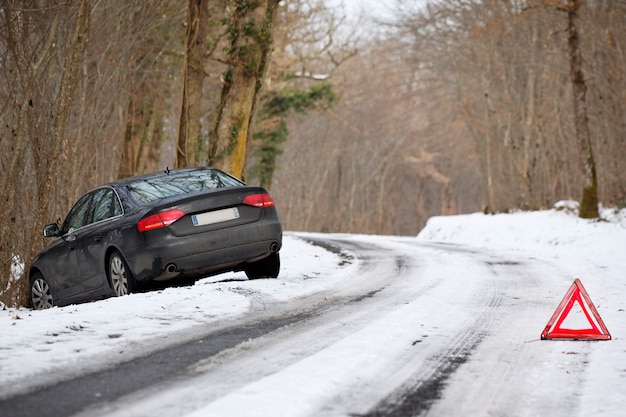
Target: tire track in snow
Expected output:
[417,395]
[508,372]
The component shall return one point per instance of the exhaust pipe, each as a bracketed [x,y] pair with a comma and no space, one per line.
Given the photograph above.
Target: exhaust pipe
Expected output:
[169,273]
[274,247]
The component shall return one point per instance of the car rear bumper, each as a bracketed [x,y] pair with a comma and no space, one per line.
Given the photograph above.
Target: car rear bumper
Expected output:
[220,260]
[164,256]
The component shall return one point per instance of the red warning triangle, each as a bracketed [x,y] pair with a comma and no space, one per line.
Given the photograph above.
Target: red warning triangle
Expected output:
[576,294]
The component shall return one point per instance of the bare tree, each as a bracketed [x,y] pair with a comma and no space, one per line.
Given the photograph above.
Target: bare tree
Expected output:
[188,141]
[151,60]
[503,62]
[63,106]
[32,57]
[589,201]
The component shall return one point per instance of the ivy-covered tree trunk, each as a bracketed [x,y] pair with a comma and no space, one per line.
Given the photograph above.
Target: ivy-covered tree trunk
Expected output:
[250,33]
[193,79]
[589,202]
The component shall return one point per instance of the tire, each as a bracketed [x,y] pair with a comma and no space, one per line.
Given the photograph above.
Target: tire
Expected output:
[265,268]
[119,275]
[40,294]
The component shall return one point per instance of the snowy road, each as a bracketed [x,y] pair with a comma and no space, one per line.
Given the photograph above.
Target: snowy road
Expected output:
[372,333]
[406,328]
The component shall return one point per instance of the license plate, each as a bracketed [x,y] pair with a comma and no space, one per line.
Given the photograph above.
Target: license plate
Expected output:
[216,216]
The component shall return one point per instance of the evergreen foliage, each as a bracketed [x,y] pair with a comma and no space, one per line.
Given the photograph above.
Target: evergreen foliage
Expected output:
[277,106]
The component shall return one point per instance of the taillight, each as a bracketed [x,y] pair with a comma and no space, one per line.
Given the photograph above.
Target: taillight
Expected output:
[159,220]
[259,200]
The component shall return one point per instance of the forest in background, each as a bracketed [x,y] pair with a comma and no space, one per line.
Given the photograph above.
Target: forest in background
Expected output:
[458,107]
[445,108]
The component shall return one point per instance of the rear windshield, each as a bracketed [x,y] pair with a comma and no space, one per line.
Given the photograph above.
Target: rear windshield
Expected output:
[177,183]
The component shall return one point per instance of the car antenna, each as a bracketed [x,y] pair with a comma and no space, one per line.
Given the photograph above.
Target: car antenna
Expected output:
[167,170]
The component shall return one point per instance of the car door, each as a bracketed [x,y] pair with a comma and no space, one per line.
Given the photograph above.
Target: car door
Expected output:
[104,210]
[65,268]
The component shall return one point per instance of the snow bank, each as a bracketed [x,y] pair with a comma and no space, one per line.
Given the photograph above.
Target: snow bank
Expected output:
[558,230]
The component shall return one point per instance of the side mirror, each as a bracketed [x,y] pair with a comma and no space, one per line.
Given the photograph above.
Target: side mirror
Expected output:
[51,230]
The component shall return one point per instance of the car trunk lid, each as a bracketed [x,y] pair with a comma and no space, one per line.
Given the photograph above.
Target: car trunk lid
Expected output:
[215,209]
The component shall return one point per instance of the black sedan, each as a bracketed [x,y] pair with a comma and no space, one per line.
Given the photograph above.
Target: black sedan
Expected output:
[175,225]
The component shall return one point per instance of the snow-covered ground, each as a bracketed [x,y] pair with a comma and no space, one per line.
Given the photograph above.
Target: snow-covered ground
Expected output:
[43,345]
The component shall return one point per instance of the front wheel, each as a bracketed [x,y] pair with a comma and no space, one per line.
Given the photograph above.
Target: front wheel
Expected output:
[120,277]
[265,268]
[40,294]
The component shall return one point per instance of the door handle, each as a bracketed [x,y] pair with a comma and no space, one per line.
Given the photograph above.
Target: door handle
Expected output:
[98,238]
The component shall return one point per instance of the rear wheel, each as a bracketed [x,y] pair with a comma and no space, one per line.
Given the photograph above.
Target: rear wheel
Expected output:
[265,268]
[40,294]
[120,277]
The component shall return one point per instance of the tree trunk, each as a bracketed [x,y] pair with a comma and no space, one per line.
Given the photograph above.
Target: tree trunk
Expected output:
[127,162]
[193,79]
[63,104]
[13,247]
[589,202]
[250,29]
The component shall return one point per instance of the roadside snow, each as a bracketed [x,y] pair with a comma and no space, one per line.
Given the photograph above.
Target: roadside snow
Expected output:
[559,231]
[45,344]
